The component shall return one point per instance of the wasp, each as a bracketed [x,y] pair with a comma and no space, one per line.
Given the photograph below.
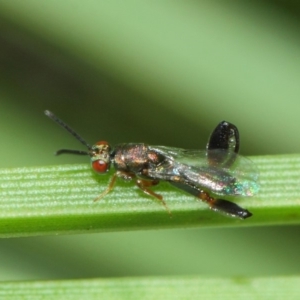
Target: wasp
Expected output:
[217,171]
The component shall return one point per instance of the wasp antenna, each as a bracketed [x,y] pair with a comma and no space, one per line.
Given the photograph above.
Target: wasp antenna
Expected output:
[53,117]
[69,151]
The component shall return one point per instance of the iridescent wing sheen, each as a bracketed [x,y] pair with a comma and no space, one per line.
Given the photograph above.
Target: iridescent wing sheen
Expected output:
[193,168]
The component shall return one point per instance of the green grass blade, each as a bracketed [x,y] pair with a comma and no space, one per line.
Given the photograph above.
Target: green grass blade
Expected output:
[155,288]
[59,199]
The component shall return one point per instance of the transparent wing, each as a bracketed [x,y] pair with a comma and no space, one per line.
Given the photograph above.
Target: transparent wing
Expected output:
[193,168]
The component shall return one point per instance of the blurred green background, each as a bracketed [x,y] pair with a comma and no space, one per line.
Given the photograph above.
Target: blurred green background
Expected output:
[160,72]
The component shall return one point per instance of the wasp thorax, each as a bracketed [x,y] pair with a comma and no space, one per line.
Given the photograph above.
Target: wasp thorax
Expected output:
[100,157]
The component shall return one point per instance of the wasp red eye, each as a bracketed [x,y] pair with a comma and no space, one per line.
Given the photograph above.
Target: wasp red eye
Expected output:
[100,166]
[102,143]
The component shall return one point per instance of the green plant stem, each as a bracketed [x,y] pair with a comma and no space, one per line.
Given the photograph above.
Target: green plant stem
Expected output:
[155,288]
[59,199]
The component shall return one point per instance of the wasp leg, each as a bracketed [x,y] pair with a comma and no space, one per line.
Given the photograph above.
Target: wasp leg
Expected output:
[124,175]
[144,184]
[224,137]
[220,205]
[224,206]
